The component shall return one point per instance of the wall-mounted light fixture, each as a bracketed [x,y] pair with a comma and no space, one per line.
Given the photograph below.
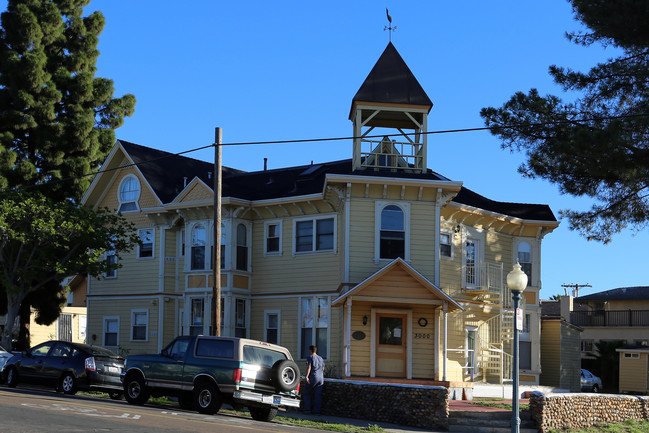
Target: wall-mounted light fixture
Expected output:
[364,320]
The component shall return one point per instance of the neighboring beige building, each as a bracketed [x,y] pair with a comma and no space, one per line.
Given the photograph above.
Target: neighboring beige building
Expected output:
[392,269]
[620,314]
[560,348]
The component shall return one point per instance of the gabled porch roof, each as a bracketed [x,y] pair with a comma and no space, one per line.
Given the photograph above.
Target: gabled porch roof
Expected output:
[433,292]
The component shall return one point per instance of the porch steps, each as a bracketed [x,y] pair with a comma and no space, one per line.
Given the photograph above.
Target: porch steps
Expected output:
[460,421]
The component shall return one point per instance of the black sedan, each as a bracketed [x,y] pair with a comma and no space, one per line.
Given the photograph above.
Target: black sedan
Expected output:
[68,367]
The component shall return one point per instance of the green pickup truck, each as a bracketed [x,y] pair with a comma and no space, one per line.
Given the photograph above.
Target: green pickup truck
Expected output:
[203,372]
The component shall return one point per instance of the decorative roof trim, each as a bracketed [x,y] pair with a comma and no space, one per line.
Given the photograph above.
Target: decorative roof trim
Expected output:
[378,180]
[504,217]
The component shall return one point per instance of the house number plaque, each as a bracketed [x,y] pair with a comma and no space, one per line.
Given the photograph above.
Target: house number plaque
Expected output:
[422,335]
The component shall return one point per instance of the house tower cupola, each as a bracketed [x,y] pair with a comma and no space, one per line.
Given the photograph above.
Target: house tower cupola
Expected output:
[392,102]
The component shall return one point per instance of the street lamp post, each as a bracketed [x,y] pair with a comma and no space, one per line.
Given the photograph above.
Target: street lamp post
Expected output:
[516,281]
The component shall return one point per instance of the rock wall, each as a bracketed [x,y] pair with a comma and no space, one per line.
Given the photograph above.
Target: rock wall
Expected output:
[581,411]
[409,405]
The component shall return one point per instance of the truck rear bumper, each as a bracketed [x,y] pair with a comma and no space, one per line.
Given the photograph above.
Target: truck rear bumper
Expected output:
[272,399]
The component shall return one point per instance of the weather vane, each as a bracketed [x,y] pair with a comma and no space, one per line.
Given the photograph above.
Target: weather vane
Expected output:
[389,27]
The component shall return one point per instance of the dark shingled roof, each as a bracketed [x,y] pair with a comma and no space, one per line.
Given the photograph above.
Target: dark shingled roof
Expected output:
[165,172]
[391,80]
[619,294]
[540,212]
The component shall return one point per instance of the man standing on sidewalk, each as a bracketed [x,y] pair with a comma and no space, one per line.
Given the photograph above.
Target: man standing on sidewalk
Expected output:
[314,381]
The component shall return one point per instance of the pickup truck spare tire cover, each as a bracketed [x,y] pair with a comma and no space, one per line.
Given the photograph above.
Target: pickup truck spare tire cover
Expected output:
[285,375]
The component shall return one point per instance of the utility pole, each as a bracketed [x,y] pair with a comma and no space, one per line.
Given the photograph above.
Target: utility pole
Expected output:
[216,257]
[575,291]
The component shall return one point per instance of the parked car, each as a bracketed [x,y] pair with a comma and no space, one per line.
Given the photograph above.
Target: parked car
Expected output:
[4,357]
[204,371]
[590,382]
[68,367]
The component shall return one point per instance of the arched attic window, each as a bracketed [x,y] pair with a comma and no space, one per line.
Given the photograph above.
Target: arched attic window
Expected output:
[129,193]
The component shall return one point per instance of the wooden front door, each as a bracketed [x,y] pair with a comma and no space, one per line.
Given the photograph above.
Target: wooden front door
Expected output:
[391,341]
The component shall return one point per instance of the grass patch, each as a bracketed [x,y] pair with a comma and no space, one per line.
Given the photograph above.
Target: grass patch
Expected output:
[498,403]
[321,425]
[629,426]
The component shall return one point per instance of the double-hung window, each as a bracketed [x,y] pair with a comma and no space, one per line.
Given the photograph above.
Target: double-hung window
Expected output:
[242,248]
[197,314]
[145,249]
[139,325]
[525,259]
[392,232]
[273,235]
[314,325]
[271,325]
[446,245]
[240,315]
[315,234]
[111,331]
[111,261]
[199,242]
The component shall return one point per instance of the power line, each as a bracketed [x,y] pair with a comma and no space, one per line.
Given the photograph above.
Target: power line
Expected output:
[319,140]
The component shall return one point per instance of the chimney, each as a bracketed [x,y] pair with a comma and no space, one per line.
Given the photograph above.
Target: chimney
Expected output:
[265,164]
[566,304]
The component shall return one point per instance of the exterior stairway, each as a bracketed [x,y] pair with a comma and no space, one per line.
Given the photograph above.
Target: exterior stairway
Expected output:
[487,420]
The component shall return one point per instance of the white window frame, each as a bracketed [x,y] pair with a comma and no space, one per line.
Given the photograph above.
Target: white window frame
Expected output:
[267,225]
[632,355]
[103,334]
[378,209]
[247,246]
[467,355]
[137,198]
[315,219]
[477,235]
[110,274]
[139,252]
[246,309]
[314,334]
[189,239]
[146,325]
[448,233]
[277,313]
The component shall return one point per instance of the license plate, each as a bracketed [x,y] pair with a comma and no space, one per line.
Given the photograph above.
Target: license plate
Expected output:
[277,400]
[113,369]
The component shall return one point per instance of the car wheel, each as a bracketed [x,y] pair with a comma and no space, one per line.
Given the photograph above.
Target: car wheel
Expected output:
[263,413]
[207,398]
[186,401]
[286,375]
[116,395]
[135,390]
[68,384]
[12,377]
[595,388]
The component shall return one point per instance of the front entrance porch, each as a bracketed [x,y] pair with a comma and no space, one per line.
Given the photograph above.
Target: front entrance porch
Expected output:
[395,326]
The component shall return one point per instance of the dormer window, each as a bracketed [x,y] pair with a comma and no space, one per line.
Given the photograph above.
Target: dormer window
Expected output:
[129,194]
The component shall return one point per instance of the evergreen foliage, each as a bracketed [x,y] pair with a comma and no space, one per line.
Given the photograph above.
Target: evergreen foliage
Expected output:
[57,119]
[596,144]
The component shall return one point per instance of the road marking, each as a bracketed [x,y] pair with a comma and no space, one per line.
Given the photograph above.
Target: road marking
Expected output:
[80,410]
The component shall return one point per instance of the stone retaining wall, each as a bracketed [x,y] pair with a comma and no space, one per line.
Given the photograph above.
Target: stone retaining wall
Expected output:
[409,405]
[580,411]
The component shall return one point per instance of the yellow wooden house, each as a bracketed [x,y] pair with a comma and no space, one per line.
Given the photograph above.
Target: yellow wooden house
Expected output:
[392,269]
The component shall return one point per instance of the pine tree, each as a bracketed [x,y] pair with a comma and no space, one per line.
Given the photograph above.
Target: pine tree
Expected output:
[595,144]
[57,119]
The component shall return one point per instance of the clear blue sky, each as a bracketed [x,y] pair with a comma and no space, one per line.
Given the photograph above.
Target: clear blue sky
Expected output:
[280,70]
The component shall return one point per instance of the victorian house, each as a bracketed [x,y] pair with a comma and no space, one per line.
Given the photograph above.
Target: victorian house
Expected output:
[392,269]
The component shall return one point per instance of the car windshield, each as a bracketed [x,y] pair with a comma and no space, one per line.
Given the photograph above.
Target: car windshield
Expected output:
[261,356]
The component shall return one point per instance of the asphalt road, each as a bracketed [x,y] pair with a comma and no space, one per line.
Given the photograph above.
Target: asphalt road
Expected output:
[27,410]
